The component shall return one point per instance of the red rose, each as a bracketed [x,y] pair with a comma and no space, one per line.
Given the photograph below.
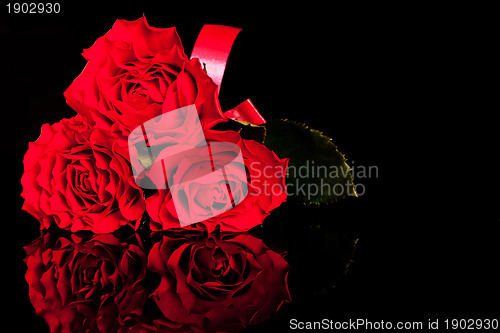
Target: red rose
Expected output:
[80,179]
[136,72]
[262,187]
[80,285]
[218,285]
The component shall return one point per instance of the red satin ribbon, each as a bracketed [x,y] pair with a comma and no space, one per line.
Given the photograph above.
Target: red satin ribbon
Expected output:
[212,47]
[246,111]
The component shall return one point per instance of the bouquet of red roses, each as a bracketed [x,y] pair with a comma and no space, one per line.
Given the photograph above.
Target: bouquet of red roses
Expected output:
[150,148]
[150,144]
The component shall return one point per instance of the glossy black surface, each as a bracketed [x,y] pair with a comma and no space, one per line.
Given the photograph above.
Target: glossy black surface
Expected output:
[387,84]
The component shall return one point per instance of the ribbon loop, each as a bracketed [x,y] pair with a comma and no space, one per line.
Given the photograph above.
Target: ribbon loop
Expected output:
[246,111]
[212,47]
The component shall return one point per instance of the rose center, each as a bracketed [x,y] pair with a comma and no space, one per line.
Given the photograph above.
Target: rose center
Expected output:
[220,267]
[138,91]
[138,96]
[218,194]
[220,262]
[85,182]
[89,274]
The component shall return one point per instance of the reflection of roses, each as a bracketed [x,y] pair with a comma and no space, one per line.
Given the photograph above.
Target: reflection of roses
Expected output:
[85,285]
[80,179]
[266,190]
[218,285]
[134,73]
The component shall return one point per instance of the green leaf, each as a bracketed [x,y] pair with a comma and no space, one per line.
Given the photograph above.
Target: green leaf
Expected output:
[317,172]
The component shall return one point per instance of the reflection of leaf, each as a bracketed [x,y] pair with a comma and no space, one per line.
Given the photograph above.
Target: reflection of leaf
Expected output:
[319,255]
[318,172]
[334,253]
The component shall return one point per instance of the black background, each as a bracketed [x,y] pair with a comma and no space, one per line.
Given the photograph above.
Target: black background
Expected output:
[404,89]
